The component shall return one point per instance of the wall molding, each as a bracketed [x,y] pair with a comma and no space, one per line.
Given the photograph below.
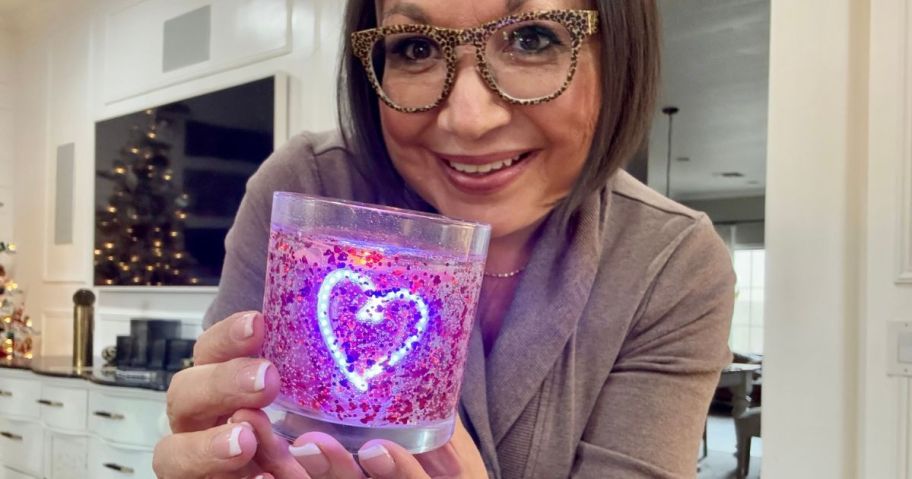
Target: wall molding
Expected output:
[137,28]
[904,270]
[48,315]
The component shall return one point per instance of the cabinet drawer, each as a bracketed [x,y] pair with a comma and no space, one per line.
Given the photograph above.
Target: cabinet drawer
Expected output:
[63,408]
[18,396]
[107,461]
[126,420]
[22,445]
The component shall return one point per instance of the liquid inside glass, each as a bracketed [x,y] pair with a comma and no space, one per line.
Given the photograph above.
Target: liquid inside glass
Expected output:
[369,340]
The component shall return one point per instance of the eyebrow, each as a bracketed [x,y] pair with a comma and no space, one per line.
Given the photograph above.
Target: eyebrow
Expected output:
[514,5]
[417,14]
[409,10]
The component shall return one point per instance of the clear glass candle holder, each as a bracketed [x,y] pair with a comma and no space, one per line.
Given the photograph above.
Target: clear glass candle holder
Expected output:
[368,314]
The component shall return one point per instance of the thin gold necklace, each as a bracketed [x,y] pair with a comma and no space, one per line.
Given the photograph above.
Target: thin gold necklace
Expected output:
[504,275]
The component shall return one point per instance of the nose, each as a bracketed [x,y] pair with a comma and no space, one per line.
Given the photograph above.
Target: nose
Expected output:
[472,110]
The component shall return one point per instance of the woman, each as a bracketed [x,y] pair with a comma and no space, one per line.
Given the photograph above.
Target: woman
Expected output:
[605,308]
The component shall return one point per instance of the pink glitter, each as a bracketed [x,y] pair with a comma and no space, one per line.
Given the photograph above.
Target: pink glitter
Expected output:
[420,388]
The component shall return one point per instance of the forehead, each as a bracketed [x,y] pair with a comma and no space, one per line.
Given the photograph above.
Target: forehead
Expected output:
[464,14]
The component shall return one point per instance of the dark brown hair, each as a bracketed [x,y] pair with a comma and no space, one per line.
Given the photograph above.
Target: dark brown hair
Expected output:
[629,36]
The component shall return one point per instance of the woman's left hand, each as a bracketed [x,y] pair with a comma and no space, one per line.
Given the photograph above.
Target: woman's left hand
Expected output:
[323,457]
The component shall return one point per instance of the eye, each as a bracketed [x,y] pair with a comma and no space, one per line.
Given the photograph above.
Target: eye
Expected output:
[415,49]
[531,39]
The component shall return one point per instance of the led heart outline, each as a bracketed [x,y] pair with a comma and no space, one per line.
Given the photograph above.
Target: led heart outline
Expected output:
[368,313]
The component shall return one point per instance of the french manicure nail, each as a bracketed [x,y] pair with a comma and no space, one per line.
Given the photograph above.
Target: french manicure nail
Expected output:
[252,378]
[227,444]
[243,328]
[311,457]
[378,460]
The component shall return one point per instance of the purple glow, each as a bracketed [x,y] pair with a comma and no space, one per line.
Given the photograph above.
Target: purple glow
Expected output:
[365,334]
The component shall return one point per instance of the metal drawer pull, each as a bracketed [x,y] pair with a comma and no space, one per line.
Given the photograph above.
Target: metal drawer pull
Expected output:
[10,435]
[109,415]
[47,402]
[6,394]
[119,468]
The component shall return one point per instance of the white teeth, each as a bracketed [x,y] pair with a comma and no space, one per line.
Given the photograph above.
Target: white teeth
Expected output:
[497,165]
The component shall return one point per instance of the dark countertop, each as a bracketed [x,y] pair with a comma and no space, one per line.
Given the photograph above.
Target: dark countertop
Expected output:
[62,367]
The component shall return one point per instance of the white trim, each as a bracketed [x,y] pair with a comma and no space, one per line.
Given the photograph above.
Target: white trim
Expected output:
[905,426]
[57,313]
[153,290]
[904,257]
[203,69]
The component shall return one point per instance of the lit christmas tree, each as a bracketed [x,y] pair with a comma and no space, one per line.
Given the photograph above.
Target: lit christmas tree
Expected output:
[16,333]
[139,235]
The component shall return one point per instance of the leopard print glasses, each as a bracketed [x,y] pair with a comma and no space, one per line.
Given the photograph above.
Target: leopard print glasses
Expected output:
[526,59]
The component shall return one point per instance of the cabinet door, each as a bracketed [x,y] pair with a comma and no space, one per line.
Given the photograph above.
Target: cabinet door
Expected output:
[66,456]
[107,461]
[21,445]
[18,397]
[64,407]
[125,420]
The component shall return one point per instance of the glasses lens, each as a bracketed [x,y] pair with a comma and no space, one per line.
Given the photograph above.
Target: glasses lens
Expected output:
[531,59]
[411,69]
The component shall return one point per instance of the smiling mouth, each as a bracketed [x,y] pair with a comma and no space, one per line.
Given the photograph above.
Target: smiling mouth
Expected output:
[487,168]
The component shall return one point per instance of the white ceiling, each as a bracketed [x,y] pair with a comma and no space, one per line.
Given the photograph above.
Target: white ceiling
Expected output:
[716,70]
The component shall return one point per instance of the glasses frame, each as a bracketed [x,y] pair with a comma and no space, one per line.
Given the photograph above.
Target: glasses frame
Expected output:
[579,23]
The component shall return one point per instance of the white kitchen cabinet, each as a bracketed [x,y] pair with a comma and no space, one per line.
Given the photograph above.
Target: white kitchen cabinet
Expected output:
[124,418]
[19,393]
[69,428]
[65,456]
[22,445]
[63,406]
[110,461]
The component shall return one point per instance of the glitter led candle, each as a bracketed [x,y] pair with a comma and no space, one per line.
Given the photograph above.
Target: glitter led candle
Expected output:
[368,314]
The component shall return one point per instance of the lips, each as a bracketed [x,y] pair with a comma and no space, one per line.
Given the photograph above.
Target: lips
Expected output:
[485,173]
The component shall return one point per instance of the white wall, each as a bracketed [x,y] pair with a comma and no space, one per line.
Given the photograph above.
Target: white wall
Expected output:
[77,66]
[731,210]
[7,76]
[885,420]
[839,154]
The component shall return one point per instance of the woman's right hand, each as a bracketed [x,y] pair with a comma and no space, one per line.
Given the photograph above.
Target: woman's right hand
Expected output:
[225,379]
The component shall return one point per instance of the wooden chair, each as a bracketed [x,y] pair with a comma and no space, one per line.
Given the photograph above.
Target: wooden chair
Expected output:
[747,426]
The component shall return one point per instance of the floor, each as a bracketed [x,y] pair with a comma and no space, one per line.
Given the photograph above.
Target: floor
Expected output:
[721,462]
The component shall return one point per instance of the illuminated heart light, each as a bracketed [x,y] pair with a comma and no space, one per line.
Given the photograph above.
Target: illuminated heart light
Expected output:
[370,313]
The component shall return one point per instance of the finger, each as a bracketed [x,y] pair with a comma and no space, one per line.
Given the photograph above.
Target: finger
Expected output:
[459,456]
[324,458]
[383,459]
[200,395]
[239,335]
[214,452]
[272,450]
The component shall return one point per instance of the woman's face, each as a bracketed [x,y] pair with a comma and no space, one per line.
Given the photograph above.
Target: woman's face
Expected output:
[474,130]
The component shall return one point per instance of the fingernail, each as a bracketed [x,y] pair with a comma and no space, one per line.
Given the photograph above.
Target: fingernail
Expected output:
[311,457]
[252,378]
[377,460]
[227,444]
[243,328]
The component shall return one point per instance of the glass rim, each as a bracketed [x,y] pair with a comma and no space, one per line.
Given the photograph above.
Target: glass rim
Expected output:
[384,209]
